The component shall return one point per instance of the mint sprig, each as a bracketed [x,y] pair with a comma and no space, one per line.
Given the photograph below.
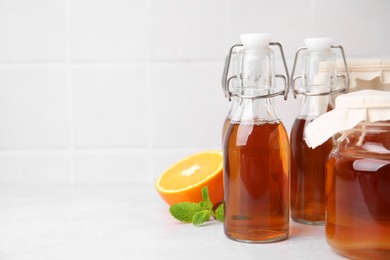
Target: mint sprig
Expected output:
[197,213]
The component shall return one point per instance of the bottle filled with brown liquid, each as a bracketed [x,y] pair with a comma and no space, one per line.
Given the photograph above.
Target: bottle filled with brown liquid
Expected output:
[318,83]
[256,150]
[357,174]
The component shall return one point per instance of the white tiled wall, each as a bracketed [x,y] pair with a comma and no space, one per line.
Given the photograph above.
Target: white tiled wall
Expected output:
[117,90]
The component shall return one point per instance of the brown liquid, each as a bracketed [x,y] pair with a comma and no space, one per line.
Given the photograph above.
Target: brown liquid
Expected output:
[224,128]
[307,177]
[256,164]
[358,201]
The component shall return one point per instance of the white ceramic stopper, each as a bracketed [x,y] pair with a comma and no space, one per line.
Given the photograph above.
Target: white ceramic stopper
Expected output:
[318,44]
[256,41]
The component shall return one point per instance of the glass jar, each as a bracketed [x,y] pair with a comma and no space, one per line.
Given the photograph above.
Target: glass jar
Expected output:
[358,192]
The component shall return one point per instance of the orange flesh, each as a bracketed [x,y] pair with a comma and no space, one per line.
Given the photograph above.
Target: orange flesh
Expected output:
[188,173]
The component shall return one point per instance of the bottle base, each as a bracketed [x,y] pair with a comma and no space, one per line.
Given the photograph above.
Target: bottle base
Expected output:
[309,222]
[254,240]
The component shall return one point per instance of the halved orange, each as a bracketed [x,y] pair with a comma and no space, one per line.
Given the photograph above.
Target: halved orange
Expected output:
[183,181]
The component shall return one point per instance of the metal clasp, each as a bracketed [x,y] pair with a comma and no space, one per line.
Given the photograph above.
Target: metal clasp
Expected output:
[226,80]
[344,77]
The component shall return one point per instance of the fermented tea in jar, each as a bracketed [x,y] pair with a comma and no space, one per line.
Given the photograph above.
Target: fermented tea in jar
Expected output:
[357,220]
[256,149]
[318,83]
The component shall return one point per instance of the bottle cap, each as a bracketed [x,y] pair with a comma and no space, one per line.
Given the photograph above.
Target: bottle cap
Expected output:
[351,109]
[256,41]
[318,44]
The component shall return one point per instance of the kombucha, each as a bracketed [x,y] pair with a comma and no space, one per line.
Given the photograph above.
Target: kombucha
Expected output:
[308,168]
[358,198]
[256,182]
[224,128]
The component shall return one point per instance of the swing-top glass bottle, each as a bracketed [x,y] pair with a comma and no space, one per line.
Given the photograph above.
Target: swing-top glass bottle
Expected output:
[318,84]
[256,150]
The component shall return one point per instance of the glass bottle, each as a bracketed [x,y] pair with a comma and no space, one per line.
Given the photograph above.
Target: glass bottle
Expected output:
[357,174]
[256,151]
[318,83]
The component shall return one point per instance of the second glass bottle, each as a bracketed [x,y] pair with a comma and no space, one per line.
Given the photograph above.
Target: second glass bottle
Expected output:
[318,84]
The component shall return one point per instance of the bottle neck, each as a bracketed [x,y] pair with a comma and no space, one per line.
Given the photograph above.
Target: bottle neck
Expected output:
[260,110]
[257,73]
[234,104]
[318,72]
[256,79]
[314,106]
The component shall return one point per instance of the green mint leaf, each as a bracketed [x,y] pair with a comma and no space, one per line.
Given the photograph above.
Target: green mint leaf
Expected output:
[206,205]
[219,212]
[205,193]
[201,217]
[185,211]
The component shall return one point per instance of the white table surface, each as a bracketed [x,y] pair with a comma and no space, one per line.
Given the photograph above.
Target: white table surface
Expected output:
[125,222]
